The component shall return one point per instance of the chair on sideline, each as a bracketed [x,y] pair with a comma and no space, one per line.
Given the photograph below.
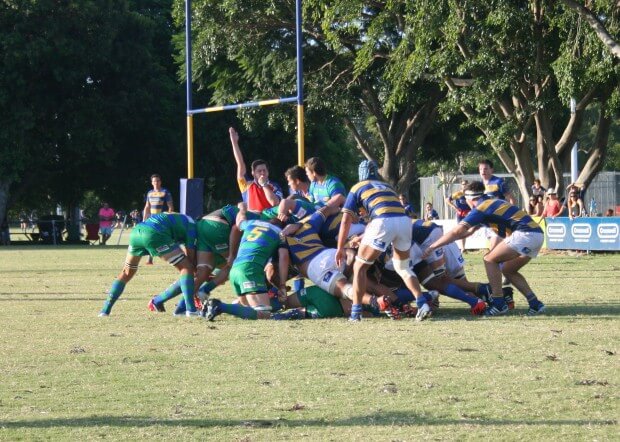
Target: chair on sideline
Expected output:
[92,233]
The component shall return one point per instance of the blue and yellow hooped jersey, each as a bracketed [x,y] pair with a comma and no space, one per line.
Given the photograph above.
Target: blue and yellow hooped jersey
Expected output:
[458,199]
[495,188]
[420,230]
[260,241]
[158,199]
[178,226]
[502,217]
[377,198]
[306,243]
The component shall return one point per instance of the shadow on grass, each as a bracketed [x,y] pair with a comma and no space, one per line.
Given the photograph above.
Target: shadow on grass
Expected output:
[384,419]
[583,310]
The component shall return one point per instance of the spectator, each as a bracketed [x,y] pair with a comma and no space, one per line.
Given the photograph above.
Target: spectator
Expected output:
[408,209]
[430,213]
[106,220]
[120,219]
[531,205]
[325,190]
[257,191]
[574,203]
[135,217]
[537,189]
[540,205]
[610,212]
[23,221]
[156,199]
[553,207]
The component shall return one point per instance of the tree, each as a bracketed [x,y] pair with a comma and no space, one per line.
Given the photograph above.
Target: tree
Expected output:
[511,68]
[87,98]
[244,50]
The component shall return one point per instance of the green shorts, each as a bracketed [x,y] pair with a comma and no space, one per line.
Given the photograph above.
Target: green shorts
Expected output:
[146,241]
[248,277]
[213,237]
[320,304]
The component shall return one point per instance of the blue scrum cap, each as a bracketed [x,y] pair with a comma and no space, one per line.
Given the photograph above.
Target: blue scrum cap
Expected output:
[368,170]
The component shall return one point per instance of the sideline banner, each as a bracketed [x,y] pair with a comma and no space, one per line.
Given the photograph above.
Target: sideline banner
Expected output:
[477,241]
[583,233]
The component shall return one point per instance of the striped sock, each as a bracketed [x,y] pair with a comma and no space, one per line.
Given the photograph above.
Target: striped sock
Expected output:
[240,311]
[187,287]
[169,293]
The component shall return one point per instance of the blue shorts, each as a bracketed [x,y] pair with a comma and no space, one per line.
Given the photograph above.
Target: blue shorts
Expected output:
[106,230]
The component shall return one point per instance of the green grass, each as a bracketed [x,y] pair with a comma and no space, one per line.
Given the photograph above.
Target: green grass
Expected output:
[66,374]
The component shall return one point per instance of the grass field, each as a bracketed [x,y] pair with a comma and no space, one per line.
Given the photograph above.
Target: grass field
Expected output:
[66,374]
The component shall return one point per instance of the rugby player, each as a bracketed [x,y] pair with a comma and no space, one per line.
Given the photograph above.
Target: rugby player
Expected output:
[258,192]
[325,190]
[259,242]
[160,235]
[217,242]
[457,201]
[520,240]
[388,225]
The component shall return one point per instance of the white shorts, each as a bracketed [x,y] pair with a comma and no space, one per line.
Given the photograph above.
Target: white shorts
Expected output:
[323,272]
[525,243]
[381,232]
[415,254]
[454,261]
[432,237]
[489,233]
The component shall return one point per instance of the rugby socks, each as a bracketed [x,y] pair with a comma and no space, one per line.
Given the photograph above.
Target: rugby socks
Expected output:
[424,298]
[289,315]
[356,312]
[483,289]
[113,294]
[404,296]
[169,293]
[187,287]
[180,309]
[532,300]
[298,284]
[373,307]
[240,311]
[205,289]
[454,292]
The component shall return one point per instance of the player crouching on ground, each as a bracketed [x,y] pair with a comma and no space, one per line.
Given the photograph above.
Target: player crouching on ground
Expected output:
[521,241]
[260,241]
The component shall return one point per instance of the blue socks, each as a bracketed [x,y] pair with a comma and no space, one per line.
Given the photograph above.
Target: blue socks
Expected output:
[298,284]
[356,312]
[404,296]
[455,292]
[290,315]
[115,292]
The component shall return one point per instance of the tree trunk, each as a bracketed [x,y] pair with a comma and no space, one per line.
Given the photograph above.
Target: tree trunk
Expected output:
[4,198]
[597,155]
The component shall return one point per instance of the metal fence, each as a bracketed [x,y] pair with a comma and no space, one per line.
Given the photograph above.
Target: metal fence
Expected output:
[605,190]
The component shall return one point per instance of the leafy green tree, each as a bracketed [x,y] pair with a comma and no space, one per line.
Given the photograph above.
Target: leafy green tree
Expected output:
[512,67]
[88,99]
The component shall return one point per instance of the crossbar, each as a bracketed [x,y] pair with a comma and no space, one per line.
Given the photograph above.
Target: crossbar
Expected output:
[243,105]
